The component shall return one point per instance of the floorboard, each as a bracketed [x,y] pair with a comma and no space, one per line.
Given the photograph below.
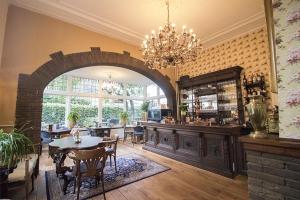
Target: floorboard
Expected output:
[182,182]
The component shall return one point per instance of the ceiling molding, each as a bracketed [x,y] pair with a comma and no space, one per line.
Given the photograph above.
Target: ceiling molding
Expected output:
[76,16]
[252,23]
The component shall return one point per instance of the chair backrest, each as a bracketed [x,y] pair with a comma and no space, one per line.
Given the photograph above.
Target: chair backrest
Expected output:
[138,129]
[128,129]
[93,160]
[113,143]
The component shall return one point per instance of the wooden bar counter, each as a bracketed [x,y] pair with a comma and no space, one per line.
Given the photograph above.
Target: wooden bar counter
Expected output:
[213,148]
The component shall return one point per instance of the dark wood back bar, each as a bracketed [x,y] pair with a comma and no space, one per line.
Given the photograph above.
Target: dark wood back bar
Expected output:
[213,148]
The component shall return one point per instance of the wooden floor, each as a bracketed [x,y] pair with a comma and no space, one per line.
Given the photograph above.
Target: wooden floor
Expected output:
[183,182]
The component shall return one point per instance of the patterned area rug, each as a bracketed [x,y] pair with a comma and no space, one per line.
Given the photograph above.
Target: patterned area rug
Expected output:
[130,168]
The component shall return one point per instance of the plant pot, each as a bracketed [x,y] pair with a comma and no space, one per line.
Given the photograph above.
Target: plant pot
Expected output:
[71,124]
[257,112]
[3,182]
[145,116]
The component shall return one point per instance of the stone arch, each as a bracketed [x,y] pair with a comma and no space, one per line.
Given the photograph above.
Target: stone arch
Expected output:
[31,87]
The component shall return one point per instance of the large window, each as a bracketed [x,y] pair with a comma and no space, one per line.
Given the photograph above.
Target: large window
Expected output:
[133,108]
[54,109]
[84,85]
[96,100]
[111,109]
[135,90]
[87,108]
[151,90]
[58,84]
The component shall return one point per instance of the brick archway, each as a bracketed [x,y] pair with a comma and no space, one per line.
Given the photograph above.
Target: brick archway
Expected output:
[31,87]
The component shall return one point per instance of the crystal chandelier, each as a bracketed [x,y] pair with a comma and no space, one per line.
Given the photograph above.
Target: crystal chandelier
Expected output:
[108,85]
[168,48]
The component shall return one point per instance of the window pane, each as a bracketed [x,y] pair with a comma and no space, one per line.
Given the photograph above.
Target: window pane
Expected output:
[151,90]
[163,101]
[161,92]
[134,109]
[153,103]
[135,90]
[54,108]
[112,88]
[87,108]
[84,85]
[58,84]
[111,109]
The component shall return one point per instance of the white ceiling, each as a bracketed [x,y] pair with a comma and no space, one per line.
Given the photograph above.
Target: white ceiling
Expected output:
[130,20]
[118,74]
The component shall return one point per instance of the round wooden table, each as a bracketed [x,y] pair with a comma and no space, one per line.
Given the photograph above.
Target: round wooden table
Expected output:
[68,143]
[59,148]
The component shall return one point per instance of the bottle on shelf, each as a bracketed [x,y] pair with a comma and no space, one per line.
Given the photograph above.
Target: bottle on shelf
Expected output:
[250,80]
[244,81]
[262,77]
[258,78]
[254,78]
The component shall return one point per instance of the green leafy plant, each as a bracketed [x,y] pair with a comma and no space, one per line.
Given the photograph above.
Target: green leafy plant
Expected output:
[73,117]
[14,146]
[183,107]
[124,117]
[145,106]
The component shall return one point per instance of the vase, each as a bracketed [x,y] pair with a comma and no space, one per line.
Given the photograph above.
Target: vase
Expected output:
[257,112]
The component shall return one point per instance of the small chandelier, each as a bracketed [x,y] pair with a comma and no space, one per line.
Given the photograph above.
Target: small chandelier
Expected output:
[168,48]
[108,85]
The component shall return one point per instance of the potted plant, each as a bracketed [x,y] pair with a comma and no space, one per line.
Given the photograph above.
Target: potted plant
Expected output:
[145,108]
[73,118]
[183,110]
[124,118]
[14,146]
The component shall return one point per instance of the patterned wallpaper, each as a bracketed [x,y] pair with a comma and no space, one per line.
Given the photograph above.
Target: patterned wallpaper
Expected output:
[249,51]
[287,33]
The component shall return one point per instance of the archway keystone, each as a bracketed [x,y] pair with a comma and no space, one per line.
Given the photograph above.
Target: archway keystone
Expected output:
[31,87]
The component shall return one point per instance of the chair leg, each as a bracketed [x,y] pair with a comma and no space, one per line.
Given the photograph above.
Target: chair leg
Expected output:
[32,182]
[115,159]
[78,188]
[110,159]
[26,190]
[66,183]
[125,137]
[102,181]
[75,180]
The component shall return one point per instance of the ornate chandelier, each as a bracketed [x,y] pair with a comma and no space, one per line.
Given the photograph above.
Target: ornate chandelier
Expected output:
[108,85]
[168,48]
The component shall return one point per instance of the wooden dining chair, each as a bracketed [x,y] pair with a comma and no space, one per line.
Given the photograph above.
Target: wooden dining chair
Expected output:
[127,131]
[88,163]
[111,149]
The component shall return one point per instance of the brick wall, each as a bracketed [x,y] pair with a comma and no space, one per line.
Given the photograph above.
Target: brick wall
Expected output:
[273,177]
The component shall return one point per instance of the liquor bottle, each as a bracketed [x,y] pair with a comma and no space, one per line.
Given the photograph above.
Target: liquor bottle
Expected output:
[258,78]
[244,81]
[262,78]
[250,81]
[254,78]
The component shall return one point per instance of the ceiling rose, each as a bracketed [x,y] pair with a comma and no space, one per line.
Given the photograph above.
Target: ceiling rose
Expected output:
[167,48]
